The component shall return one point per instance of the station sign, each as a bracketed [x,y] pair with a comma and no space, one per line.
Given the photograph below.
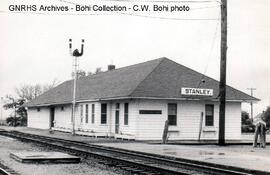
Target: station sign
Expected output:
[196,92]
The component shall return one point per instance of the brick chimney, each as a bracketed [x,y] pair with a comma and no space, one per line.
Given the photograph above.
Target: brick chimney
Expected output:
[111,67]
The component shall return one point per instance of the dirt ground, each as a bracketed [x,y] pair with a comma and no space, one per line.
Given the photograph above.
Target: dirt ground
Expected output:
[8,145]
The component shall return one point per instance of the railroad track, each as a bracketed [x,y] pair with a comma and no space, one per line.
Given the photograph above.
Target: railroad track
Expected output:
[133,161]
[4,170]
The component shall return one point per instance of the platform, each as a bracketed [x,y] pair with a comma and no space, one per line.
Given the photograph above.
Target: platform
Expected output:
[44,157]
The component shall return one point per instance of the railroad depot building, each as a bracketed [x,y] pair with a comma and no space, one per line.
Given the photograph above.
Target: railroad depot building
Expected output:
[134,102]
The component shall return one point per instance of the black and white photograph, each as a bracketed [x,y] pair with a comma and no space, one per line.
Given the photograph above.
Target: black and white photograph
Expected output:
[134,87]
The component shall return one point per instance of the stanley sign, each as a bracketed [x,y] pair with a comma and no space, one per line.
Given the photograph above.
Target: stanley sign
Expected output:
[196,92]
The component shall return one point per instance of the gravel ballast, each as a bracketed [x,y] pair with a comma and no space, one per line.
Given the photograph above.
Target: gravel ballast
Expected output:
[8,145]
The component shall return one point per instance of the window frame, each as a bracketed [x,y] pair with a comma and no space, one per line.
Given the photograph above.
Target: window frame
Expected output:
[172,115]
[212,119]
[126,115]
[117,106]
[93,113]
[103,114]
[86,112]
[81,112]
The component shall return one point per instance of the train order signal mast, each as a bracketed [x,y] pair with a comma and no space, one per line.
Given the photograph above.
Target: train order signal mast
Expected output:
[75,53]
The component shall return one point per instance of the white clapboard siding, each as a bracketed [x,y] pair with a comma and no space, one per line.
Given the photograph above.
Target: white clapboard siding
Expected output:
[233,121]
[129,129]
[38,119]
[150,127]
[188,115]
[62,118]
[90,126]
[145,126]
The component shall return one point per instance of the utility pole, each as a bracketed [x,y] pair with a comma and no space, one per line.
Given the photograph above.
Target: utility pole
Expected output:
[76,54]
[251,103]
[2,98]
[14,103]
[222,83]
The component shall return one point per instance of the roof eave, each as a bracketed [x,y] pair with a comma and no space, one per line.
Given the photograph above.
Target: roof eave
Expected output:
[146,98]
[176,98]
[47,104]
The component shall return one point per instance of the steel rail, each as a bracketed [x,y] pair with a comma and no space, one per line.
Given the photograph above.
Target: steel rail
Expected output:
[4,170]
[124,156]
[148,168]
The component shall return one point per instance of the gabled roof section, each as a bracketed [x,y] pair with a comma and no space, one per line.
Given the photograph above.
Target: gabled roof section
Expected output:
[167,79]
[159,78]
[110,84]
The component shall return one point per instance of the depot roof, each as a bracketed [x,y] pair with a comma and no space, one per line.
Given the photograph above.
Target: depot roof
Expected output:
[156,79]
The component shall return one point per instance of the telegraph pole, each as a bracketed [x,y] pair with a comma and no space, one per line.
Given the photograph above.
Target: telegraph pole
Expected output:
[222,83]
[251,103]
[14,103]
[2,98]
[76,54]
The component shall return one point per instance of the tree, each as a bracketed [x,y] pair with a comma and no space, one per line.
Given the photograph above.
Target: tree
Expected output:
[98,70]
[24,93]
[19,115]
[81,73]
[29,92]
[247,125]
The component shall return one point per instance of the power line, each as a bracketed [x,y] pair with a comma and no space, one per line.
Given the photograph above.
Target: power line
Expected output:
[179,1]
[110,14]
[122,13]
[210,53]
[207,7]
[68,2]
[180,19]
[212,47]
[64,14]
[150,1]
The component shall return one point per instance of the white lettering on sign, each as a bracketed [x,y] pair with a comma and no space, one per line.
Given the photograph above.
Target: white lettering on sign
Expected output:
[197,92]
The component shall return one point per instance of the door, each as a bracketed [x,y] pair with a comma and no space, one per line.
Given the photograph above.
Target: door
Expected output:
[51,117]
[117,122]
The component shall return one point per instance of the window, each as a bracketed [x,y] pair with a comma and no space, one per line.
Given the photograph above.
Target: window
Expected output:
[117,106]
[209,115]
[86,113]
[126,114]
[38,109]
[81,113]
[62,108]
[93,113]
[103,113]
[172,114]
[150,112]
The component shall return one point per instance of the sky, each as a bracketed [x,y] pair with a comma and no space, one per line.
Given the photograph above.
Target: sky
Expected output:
[34,45]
